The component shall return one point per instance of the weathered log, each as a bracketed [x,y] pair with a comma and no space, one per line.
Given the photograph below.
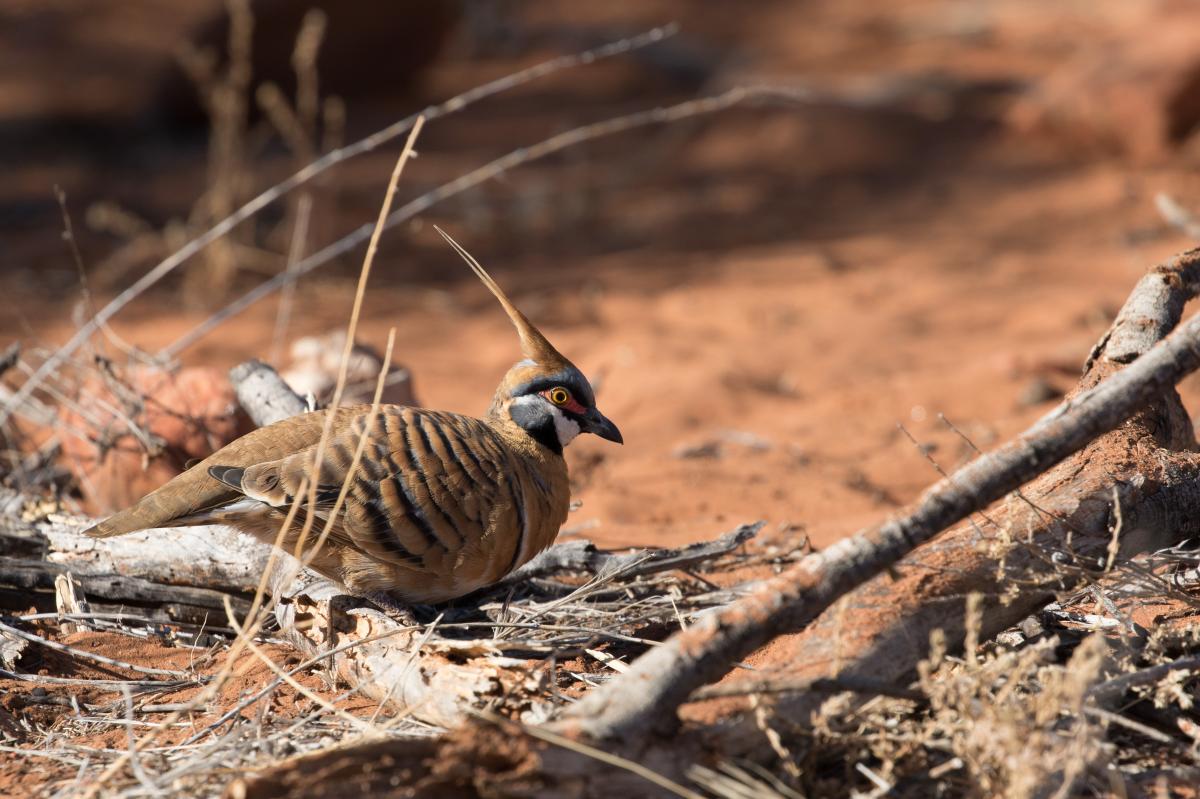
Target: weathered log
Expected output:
[187,603]
[216,557]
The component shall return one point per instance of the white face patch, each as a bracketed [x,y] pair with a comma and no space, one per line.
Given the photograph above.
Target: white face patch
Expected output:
[566,428]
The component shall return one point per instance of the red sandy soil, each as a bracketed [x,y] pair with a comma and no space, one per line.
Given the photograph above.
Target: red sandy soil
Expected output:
[773,289]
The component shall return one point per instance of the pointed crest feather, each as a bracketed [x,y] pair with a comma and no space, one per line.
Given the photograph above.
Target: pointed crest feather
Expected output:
[533,343]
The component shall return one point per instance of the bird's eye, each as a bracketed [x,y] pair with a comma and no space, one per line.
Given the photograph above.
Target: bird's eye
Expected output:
[559,395]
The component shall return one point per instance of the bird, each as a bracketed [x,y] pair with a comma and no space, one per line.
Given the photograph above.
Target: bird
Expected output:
[440,505]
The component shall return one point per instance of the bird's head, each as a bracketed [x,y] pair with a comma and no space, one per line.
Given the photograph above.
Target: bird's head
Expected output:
[545,394]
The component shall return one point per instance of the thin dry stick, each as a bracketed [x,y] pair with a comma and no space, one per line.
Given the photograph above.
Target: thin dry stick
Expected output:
[1128,723]
[84,287]
[648,694]
[264,199]
[108,685]
[344,368]
[362,439]
[283,316]
[515,158]
[135,762]
[1107,693]
[1176,215]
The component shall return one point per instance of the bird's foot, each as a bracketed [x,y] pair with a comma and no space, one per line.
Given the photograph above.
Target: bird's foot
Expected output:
[394,609]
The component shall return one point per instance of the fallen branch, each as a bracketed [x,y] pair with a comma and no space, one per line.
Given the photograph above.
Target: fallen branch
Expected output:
[1106,694]
[217,557]
[646,696]
[583,556]
[263,394]
[183,603]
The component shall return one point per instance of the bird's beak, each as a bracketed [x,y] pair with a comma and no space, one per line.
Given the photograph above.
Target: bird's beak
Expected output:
[597,423]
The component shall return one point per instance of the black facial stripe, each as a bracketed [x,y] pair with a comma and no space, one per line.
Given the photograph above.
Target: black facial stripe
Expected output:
[539,423]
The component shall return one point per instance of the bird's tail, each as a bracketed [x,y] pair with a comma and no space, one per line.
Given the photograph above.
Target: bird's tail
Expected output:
[186,500]
[122,523]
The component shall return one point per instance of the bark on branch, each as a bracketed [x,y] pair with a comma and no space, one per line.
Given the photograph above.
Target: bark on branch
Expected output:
[263,394]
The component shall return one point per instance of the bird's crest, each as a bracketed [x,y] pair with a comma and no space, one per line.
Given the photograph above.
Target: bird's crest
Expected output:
[535,346]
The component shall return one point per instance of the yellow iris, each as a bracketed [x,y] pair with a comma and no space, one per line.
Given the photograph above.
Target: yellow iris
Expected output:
[559,395]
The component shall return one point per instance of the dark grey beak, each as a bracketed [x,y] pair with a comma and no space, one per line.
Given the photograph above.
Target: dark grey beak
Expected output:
[597,423]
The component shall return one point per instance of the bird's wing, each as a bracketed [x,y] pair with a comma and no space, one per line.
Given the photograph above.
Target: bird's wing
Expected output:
[195,491]
[434,491]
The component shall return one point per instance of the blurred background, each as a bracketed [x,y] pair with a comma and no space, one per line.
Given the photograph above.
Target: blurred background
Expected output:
[938,216]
